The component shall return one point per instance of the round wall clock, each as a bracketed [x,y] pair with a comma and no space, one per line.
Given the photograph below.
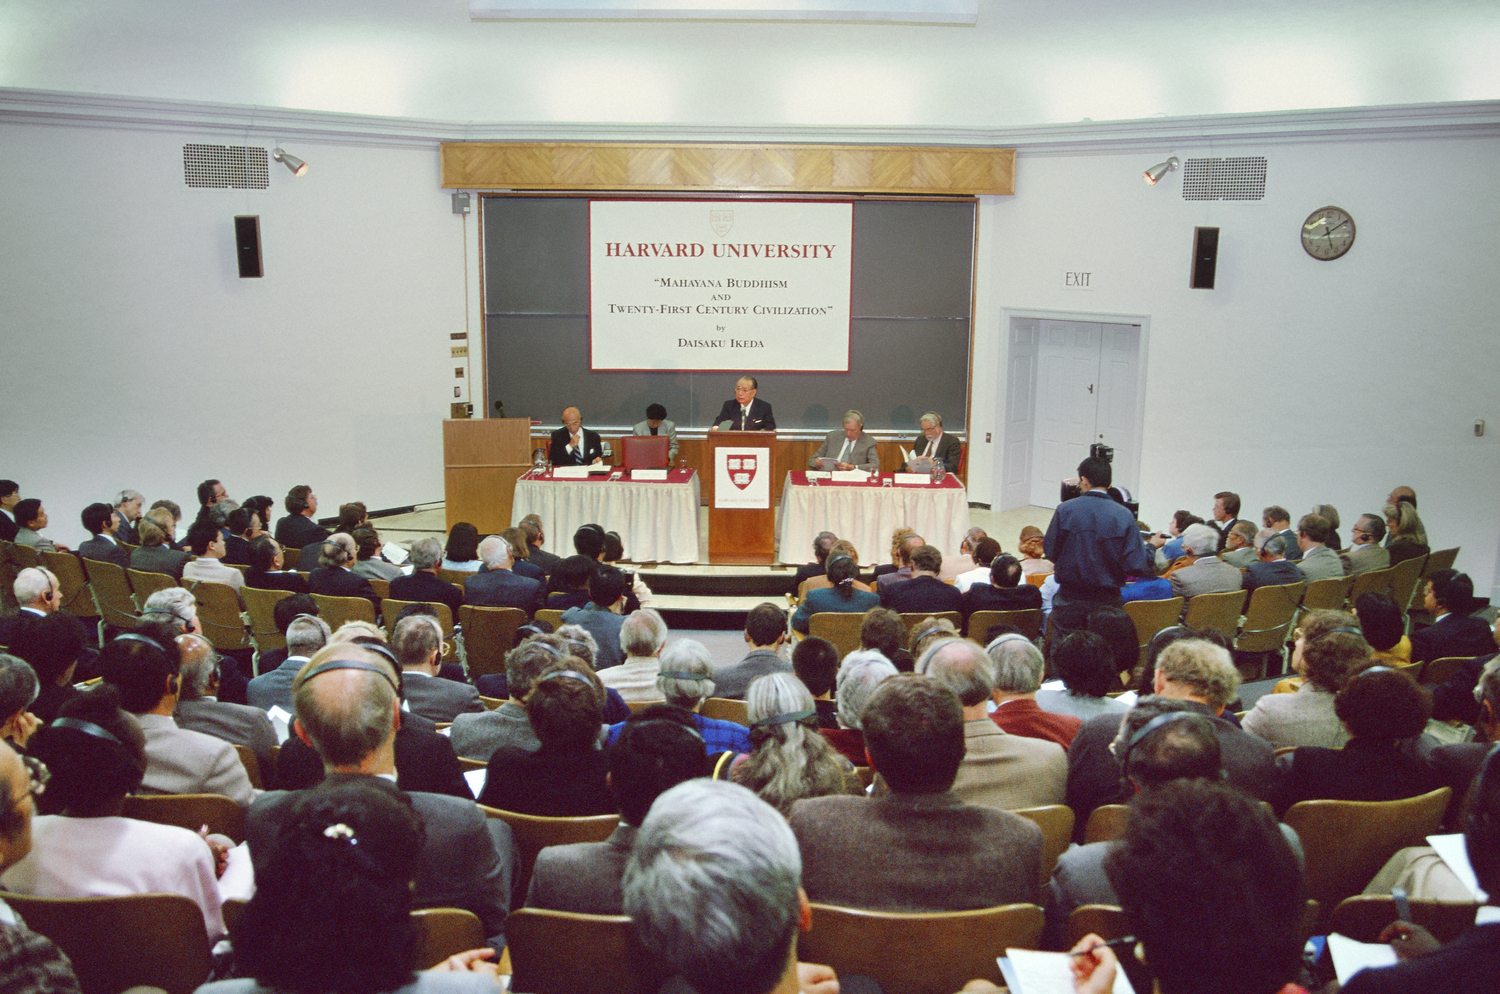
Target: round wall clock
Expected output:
[1328,233]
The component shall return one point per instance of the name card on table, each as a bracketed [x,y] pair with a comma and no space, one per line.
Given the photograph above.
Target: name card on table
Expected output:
[819,474]
[850,476]
[649,475]
[570,472]
[913,479]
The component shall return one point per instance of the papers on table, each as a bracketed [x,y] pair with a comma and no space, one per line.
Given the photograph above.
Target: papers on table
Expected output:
[1351,956]
[819,474]
[1451,850]
[1030,971]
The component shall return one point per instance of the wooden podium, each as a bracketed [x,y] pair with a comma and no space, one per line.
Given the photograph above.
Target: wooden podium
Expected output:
[482,458]
[740,535]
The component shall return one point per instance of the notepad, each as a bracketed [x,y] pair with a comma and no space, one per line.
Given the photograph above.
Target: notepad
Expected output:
[1031,971]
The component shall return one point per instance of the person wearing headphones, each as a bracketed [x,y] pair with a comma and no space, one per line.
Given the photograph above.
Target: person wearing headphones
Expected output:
[38,593]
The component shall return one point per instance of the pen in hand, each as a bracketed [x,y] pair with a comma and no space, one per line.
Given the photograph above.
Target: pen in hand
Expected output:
[1125,942]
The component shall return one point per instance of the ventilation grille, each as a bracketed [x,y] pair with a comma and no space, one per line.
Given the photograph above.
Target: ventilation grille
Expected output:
[1224,179]
[236,167]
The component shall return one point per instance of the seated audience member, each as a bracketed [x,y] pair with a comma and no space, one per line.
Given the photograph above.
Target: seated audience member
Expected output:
[266,573]
[244,527]
[1330,514]
[260,506]
[602,616]
[1018,675]
[840,597]
[840,548]
[1379,708]
[369,563]
[985,551]
[477,736]
[885,632]
[52,646]
[964,561]
[642,635]
[650,755]
[1329,649]
[816,663]
[145,666]
[1031,545]
[568,586]
[1239,545]
[340,869]
[334,576]
[903,544]
[1279,520]
[1271,568]
[417,642]
[175,608]
[102,521]
[424,584]
[566,776]
[1365,551]
[924,593]
[1315,534]
[351,517]
[1087,667]
[998,769]
[200,710]
[1169,546]
[305,635]
[822,545]
[588,541]
[210,494]
[1201,571]
[498,585]
[1002,589]
[298,529]
[38,594]
[515,541]
[1457,699]
[788,759]
[175,513]
[686,680]
[1454,631]
[155,553]
[462,551]
[1384,626]
[207,544]
[10,496]
[80,845]
[128,505]
[1199,674]
[1210,888]
[765,631]
[531,529]
[31,518]
[1117,630]
[929,631]
[919,848]
[18,689]
[862,671]
[1407,535]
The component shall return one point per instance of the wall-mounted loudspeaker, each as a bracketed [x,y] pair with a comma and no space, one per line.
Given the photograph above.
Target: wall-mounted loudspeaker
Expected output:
[1205,257]
[247,245]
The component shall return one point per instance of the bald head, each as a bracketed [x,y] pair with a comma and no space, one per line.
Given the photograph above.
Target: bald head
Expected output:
[349,714]
[962,667]
[200,665]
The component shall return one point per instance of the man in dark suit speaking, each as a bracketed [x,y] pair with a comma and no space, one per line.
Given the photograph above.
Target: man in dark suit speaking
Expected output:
[745,413]
[573,444]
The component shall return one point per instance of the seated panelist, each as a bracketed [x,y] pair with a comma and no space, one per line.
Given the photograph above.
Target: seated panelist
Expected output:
[573,444]
[848,449]
[656,423]
[744,412]
[932,444]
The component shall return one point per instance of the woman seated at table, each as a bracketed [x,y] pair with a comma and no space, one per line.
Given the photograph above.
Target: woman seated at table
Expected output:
[842,595]
[848,449]
[788,760]
[462,552]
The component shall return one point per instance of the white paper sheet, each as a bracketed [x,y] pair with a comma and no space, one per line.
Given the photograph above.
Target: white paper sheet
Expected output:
[1351,956]
[1451,850]
[476,780]
[1031,971]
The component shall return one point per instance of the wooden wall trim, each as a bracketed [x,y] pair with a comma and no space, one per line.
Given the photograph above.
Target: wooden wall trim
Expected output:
[624,166]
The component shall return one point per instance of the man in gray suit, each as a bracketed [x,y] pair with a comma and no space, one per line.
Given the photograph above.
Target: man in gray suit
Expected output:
[920,848]
[1206,574]
[656,423]
[848,449]
[1318,562]
[199,710]
[304,636]
[1365,550]
[765,630]
[1239,545]
[477,736]
[102,521]
[418,644]
[347,709]
[1271,568]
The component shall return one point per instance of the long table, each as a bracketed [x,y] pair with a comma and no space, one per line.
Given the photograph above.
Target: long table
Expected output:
[867,513]
[658,521]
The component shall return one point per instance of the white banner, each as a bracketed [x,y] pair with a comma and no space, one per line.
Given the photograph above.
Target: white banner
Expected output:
[742,477]
[719,285]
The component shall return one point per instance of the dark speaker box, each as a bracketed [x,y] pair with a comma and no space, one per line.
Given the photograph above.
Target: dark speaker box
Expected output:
[1205,257]
[247,245]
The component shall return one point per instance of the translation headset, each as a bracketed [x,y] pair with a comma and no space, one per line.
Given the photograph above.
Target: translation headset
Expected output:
[1159,721]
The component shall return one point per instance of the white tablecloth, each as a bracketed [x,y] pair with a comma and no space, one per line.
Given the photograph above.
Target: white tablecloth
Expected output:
[658,522]
[867,515]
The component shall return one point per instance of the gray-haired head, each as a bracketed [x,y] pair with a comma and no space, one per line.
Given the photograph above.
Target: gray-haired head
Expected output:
[175,607]
[495,552]
[18,686]
[581,642]
[1275,546]
[1018,664]
[126,496]
[347,713]
[642,633]
[712,887]
[1245,530]
[934,417]
[426,553]
[33,584]
[1262,537]
[961,666]
[219,512]
[200,662]
[306,635]
[822,543]
[339,550]
[686,678]
[526,661]
[861,672]
[1200,540]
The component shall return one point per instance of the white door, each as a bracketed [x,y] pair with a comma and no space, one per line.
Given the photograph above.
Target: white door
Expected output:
[1020,412]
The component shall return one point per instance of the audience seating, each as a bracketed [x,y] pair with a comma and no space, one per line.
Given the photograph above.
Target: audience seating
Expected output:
[1347,842]
[7,578]
[551,616]
[1374,581]
[457,577]
[219,615]
[1216,612]
[73,584]
[533,833]
[115,943]
[866,776]
[1151,617]
[1269,614]
[1327,595]
[1440,559]
[260,606]
[915,618]
[1027,621]
[251,762]
[1404,577]
[1365,916]
[491,703]
[488,634]
[337,610]
[558,952]
[1417,612]
[189,811]
[638,706]
[144,583]
[1056,823]
[24,556]
[466,764]
[110,586]
[1107,921]
[390,608]
[381,587]
[1106,823]
[726,709]
[1037,579]
[919,953]
[444,932]
[1437,671]
[839,627]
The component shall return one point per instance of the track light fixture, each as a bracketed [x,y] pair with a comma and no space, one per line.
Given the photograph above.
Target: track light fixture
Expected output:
[1156,172]
[299,168]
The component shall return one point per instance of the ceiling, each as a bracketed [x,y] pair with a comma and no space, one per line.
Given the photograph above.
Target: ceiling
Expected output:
[1023,63]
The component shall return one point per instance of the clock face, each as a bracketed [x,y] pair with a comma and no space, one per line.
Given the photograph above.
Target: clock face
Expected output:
[1328,233]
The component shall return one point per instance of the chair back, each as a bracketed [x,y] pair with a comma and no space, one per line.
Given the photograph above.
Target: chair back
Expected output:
[1216,612]
[1437,671]
[488,634]
[390,608]
[337,610]
[1107,921]
[457,577]
[1056,823]
[251,762]
[1268,617]
[560,952]
[76,599]
[190,811]
[443,932]
[1027,621]
[919,953]
[24,556]
[381,587]
[726,709]
[1327,595]
[260,608]
[219,614]
[1106,823]
[551,616]
[1151,617]
[1364,916]
[1037,579]
[144,583]
[8,570]
[1373,581]
[839,627]
[1440,560]
[290,557]
[533,833]
[110,585]
[1404,578]
[491,703]
[466,764]
[644,451]
[638,706]
[115,943]
[915,618]
[1347,842]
